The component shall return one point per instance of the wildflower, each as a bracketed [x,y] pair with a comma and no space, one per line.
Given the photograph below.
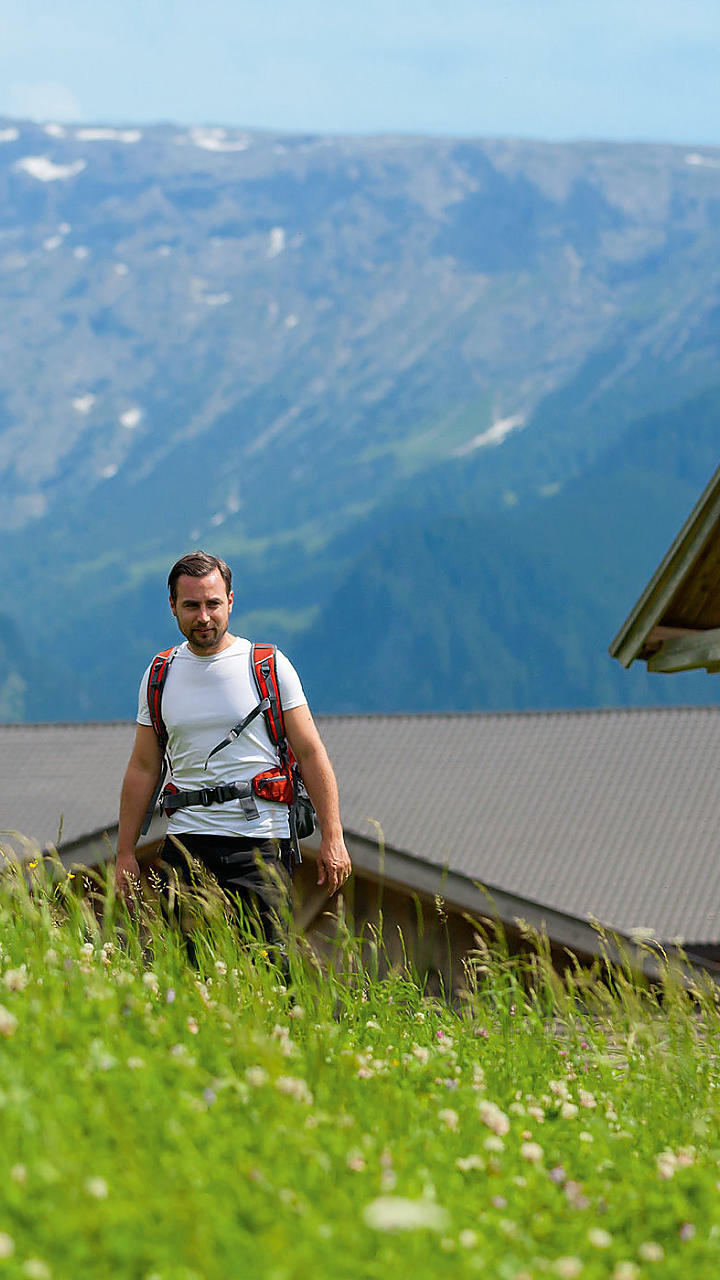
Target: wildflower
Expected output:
[536,1113]
[8,1022]
[192,1026]
[50,956]
[356,1162]
[557,1174]
[135,1064]
[468,1163]
[209,1096]
[294,1087]
[170,995]
[569,1111]
[150,981]
[421,1053]
[7,1245]
[97,1188]
[36,1269]
[256,1076]
[395,1213]
[494,1143]
[18,1173]
[365,1073]
[576,1198]
[499,1202]
[87,950]
[493,1117]
[687,1231]
[531,1151]
[468,1239]
[372,1025]
[560,1089]
[584,1136]
[16,979]
[599,1238]
[483,1031]
[651,1251]
[297,1012]
[586,1099]
[449,1118]
[666,1164]
[568,1268]
[625,1271]
[221,967]
[478,1076]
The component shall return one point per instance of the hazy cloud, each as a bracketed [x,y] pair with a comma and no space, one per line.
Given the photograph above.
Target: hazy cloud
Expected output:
[46,100]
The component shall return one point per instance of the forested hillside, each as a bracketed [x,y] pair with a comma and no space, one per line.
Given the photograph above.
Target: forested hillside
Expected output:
[442,405]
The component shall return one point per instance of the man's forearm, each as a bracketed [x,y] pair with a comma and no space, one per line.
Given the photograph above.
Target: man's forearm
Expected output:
[319,778]
[137,791]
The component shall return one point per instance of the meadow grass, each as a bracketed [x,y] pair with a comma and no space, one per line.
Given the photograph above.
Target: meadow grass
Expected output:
[167,1122]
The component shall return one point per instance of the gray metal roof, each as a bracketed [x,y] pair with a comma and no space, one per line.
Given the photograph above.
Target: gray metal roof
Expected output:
[606,814]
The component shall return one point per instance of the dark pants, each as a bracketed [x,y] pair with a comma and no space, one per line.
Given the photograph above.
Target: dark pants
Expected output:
[255,881]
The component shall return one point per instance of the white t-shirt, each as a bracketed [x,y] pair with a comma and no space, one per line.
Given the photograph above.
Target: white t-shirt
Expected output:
[203,699]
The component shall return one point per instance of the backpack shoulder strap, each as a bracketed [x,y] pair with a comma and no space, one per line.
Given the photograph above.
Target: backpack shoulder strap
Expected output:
[264,669]
[159,668]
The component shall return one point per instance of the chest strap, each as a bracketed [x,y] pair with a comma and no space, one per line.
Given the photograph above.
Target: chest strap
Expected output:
[173,799]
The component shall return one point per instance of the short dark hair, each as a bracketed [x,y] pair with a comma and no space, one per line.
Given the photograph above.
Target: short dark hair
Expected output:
[198,564]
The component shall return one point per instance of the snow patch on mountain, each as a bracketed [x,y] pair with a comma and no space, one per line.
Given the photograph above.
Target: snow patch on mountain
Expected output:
[217,140]
[45,170]
[494,434]
[707,162]
[108,135]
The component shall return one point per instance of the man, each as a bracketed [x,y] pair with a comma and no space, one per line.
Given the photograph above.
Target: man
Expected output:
[210,689]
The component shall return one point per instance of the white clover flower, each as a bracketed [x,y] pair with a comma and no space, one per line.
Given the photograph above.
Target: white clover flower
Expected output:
[8,1022]
[651,1251]
[586,1099]
[599,1238]
[560,1090]
[531,1151]
[468,1239]
[97,1188]
[297,1012]
[372,1025]
[395,1213]
[666,1164]
[468,1163]
[294,1087]
[493,1117]
[584,1136]
[568,1267]
[494,1143]
[135,1064]
[18,1173]
[256,1076]
[569,1111]
[150,980]
[221,967]
[192,1026]
[7,1245]
[87,950]
[356,1162]
[16,979]
[449,1118]
[36,1269]
[626,1271]
[536,1113]
[421,1053]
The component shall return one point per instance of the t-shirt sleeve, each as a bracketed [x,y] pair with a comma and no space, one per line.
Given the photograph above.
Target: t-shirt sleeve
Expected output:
[143,715]
[291,691]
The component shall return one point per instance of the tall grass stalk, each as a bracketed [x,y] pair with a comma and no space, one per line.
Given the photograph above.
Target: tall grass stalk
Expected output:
[169,1121]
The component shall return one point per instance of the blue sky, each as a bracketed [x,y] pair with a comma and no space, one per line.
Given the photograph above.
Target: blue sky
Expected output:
[556,69]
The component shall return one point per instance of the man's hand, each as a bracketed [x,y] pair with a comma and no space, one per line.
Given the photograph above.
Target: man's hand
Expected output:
[127,876]
[334,864]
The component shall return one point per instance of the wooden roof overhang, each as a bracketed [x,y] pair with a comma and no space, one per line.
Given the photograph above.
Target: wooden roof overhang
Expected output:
[675,625]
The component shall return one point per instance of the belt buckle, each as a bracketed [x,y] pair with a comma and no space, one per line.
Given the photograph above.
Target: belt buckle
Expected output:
[206,796]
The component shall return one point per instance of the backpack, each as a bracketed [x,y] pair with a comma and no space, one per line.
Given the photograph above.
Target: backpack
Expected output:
[282,783]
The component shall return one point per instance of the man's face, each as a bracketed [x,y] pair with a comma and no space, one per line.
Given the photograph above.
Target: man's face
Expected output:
[202,609]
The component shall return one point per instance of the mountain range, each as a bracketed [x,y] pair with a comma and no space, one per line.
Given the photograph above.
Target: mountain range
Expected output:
[442,405]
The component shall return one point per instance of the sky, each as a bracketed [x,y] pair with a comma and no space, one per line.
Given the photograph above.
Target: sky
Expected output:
[554,69]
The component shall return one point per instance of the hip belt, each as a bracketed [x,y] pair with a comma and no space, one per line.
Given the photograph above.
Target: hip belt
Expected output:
[274,784]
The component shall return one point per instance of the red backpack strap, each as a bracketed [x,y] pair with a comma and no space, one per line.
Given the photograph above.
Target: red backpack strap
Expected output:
[264,669]
[159,668]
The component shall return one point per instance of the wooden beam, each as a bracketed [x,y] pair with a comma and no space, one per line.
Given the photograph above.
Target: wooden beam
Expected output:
[658,594]
[687,653]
